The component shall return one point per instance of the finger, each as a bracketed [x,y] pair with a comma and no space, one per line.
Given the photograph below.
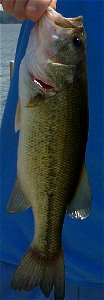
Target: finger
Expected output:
[35,9]
[8,5]
[19,9]
[53,4]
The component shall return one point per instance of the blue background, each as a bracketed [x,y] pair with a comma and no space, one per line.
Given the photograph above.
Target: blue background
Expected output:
[82,240]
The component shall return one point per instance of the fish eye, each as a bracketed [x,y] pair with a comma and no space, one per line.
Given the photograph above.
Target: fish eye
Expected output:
[77,42]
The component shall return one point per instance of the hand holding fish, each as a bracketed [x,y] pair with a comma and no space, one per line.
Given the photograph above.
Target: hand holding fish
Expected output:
[31,9]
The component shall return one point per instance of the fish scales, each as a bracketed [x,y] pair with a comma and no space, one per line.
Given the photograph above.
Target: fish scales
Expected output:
[52,119]
[54,162]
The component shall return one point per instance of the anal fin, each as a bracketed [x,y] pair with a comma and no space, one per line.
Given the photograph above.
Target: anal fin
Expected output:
[17,202]
[80,206]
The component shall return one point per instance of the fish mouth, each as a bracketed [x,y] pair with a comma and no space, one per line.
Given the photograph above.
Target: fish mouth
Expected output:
[63,22]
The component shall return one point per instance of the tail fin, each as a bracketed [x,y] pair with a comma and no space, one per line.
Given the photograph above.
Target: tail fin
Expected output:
[35,270]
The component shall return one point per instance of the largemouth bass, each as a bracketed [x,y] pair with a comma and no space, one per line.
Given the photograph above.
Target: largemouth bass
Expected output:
[52,119]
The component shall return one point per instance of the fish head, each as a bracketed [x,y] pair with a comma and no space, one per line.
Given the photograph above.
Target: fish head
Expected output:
[56,51]
[68,48]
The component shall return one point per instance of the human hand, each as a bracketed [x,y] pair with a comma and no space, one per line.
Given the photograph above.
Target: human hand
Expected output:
[27,9]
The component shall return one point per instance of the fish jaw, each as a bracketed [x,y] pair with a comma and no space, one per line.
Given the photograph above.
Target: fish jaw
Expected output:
[37,55]
[62,21]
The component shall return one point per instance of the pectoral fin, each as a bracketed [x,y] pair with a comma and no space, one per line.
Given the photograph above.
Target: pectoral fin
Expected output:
[80,206]
[17,201]
[18,116]
[33,102]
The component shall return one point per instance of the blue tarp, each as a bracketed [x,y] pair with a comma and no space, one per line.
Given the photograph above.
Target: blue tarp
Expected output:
[82,240]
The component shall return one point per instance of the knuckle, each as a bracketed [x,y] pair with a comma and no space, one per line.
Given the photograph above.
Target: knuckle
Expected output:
[32,13]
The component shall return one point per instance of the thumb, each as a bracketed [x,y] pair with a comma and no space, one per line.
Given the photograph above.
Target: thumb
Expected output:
[35,9]
[53,4]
